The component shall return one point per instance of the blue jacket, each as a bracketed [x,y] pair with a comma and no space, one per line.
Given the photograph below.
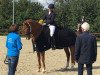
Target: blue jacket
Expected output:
[13,44]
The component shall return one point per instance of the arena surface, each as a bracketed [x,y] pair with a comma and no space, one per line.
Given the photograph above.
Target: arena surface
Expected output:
[55,61]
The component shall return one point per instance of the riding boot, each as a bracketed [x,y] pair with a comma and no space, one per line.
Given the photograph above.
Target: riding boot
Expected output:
[53,43]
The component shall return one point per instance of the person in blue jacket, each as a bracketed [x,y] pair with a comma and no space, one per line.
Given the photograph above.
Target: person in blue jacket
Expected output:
[85,50]
[14,45]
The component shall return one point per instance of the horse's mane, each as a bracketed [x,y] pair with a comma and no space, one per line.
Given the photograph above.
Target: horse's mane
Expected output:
[31,22]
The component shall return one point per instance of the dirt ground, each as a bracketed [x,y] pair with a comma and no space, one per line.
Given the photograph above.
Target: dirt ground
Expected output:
[55,61]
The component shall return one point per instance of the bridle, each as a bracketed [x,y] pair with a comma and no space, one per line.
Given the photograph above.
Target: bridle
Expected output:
[32,36]
[29,28]
[32,31]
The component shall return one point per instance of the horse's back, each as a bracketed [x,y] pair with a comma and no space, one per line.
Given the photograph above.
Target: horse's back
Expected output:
[65,37]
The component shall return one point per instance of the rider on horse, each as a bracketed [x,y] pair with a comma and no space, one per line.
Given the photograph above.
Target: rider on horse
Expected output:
[50,21]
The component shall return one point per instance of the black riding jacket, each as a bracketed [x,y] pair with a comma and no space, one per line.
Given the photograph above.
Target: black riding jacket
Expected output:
[50,18]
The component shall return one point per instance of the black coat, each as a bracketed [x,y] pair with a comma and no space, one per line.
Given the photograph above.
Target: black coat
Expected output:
[50,18]
[85,48]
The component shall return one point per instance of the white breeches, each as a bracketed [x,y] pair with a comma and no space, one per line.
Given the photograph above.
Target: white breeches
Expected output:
[52,30]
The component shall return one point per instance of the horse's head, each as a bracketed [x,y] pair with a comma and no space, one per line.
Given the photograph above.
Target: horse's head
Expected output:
[26,28]
[31,28]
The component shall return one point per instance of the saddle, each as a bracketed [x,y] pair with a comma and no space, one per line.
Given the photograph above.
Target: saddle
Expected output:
[63,37]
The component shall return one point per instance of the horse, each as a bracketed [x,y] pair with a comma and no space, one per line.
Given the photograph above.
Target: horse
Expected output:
[64,39]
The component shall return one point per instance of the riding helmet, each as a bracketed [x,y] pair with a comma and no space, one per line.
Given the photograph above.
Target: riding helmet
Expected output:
[51,6]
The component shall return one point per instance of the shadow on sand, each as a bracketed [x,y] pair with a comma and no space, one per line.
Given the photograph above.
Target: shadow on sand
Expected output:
[75,69]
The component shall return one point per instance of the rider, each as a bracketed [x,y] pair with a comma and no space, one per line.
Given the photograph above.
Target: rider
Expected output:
[50,21]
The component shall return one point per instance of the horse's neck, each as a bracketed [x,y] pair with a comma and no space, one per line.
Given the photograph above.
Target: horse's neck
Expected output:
[36,29]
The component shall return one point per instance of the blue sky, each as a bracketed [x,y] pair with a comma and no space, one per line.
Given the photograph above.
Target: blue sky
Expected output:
[44,2]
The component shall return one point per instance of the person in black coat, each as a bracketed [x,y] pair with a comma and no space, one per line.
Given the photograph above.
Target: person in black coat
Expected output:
[49,18]
[85,50]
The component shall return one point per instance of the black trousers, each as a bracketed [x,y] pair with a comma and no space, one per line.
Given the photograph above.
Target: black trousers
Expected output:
[81,68]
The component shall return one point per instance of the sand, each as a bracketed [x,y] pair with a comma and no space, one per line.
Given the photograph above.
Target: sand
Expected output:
[55,61]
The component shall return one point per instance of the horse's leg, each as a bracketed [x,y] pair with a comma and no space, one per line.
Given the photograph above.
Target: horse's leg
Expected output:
[39,61]
[43,61]
[33,44]
[67,55]
[72,50]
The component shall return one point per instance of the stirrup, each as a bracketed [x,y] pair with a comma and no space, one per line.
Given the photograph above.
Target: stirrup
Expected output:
[53,47]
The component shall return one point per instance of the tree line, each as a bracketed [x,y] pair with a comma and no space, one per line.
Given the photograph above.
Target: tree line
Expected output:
[68,12]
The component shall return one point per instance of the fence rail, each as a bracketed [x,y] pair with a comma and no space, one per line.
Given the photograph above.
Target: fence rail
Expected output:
[5,31]
[97,35]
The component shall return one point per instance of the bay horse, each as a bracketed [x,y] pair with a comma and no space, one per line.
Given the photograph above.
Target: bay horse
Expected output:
[64,39]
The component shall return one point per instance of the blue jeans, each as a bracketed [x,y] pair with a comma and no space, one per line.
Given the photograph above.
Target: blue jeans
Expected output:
[12,64]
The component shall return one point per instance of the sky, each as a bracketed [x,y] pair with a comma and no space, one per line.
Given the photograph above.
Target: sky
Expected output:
[44,2]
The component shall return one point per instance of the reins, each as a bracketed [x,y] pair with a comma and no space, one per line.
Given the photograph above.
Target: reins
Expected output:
[6,60]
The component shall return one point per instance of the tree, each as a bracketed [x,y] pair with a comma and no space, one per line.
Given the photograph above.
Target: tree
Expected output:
[5,13]
[69,11]
[24,9]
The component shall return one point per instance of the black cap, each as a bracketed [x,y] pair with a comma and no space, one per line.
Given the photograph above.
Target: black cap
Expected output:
[51,6]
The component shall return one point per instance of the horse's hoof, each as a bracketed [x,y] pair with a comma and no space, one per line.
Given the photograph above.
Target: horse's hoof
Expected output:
[67,65]
[43,70]
[72,67]
[38,70]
